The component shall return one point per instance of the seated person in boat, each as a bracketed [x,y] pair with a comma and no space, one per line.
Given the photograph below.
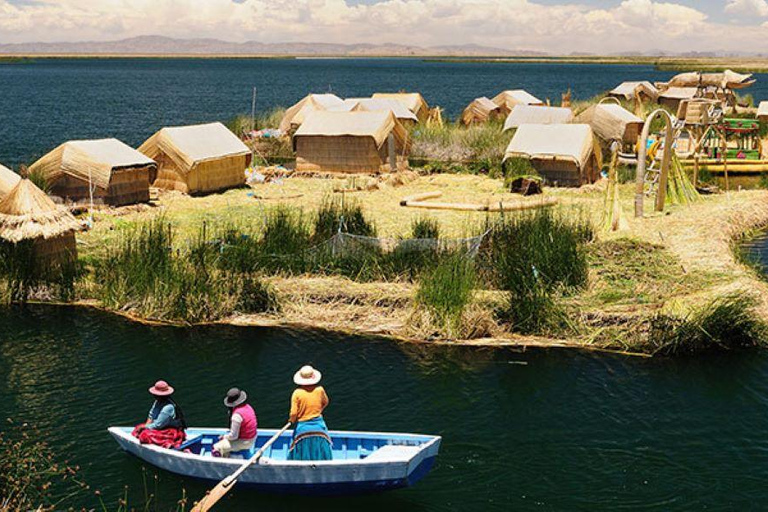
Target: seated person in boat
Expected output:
[311,440]
[165,423]
[242,425]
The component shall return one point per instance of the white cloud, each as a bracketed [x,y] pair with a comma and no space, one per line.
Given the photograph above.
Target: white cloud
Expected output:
[631,25]
[747,7]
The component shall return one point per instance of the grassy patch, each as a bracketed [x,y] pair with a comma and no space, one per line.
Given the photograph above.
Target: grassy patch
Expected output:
[446,290]
[453,148]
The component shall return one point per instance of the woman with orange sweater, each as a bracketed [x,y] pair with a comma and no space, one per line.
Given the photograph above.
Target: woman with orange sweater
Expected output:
[311,440]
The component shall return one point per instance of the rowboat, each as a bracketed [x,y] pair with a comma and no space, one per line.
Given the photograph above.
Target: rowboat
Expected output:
[363,462]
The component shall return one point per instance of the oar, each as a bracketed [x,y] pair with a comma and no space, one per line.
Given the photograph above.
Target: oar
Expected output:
[225,485]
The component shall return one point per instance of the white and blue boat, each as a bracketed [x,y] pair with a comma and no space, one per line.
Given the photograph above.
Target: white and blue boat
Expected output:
[363,462]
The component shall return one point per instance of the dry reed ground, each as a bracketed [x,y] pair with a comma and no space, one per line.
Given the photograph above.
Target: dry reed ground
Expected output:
[671,261]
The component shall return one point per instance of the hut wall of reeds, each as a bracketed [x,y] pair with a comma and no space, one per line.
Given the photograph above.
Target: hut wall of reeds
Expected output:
[480,111]
[529,114]
[611,122]
[118,174]
[350,142]
[762,112]
[8,180]
[413,101]
[296,114]
[563,154]
[197,159]
[28,215]
[509,99]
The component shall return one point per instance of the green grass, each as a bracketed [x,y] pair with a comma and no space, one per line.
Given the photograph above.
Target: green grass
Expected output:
[24,273]
[242,123]
[425,227]
[447,289]
[725,324]
[337,213]
[452,148]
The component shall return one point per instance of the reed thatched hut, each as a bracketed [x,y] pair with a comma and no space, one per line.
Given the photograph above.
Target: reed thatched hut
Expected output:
[528,114]
[563,154]
[8,180]
[296,114]
[413,101]
[630,90]
[197,159]
[351,142]
[507,100]
[762,112]
[117,173]
[402,114]
[672,96]
[27,214]
[612,122]
[480,111]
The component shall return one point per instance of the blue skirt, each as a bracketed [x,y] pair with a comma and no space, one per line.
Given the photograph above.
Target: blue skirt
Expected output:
[311,441]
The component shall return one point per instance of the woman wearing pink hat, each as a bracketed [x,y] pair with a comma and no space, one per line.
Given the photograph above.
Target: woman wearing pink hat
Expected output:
[311,440]
[165,423]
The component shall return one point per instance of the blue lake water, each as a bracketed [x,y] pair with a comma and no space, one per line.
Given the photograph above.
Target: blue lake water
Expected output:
[538,430]
[47,102]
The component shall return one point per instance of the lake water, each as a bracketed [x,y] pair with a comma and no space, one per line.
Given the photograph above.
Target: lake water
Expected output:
[48,102]
[539,430]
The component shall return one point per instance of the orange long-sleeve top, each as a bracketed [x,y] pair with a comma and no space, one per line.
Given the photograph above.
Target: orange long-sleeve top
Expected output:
[308,403]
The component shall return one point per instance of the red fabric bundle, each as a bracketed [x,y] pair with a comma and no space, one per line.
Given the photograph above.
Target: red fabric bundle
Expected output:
[166,438]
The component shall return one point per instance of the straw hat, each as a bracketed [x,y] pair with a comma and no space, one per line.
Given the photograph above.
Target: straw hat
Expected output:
[307,376]
[235,397]
[161,388]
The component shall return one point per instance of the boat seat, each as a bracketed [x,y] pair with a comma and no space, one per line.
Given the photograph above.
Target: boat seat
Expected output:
[243,454]
[189,442]
[394,452]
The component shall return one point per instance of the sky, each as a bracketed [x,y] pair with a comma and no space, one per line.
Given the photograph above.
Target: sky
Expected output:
[555,26]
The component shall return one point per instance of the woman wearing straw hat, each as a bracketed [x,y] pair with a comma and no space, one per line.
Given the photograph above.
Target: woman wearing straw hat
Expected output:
[243,425]
[311,440]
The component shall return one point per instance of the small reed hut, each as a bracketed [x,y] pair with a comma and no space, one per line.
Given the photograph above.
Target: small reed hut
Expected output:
[351,142]
[528,114]
[296,114]
[646,91]
[413,101]
[480,111]
[198,159]
[8,180]
[117,174]
[762,112]
[27,214]
[507,100]
[563,154]
[404,116]
[672,97]
[612,122]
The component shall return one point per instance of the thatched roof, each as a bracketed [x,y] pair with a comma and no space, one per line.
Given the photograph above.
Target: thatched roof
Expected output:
[528,114]
[727,80]
[481,109]
[382,104]
[762,109]
[565,142]
[679,93]
[413,101]
[26,213]
[376,125]
[190,145]
[508,99]
[610,121]
[8,180]
[296,114]
[92,160]
[627,90]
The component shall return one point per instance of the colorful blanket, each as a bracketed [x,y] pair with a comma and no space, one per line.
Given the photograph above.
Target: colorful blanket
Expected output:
[166,438]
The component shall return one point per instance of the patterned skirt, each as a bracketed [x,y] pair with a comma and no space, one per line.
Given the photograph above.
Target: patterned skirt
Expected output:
[311,441]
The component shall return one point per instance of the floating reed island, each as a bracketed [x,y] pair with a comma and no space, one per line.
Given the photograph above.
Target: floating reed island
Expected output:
[601,224]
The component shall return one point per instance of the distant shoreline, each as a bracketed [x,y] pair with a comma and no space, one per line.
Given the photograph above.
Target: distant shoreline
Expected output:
[707,64]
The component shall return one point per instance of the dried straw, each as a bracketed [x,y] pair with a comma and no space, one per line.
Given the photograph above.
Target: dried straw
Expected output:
[27,213]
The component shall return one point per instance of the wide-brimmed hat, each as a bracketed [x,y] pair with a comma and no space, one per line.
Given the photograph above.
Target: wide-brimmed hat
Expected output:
[307,376]
[161,388]
[235,397]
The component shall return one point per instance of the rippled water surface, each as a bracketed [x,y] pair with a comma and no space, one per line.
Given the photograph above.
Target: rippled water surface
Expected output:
[47,102]
[522,431]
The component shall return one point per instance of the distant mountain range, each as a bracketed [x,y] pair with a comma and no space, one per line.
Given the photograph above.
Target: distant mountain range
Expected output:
[160,45]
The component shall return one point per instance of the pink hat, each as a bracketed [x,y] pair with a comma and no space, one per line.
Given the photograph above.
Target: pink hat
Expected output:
[161,388]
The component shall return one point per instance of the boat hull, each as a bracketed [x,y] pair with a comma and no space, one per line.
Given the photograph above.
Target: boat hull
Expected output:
[389,467]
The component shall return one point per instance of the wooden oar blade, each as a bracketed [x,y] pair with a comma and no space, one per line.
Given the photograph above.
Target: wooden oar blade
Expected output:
[213,497]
